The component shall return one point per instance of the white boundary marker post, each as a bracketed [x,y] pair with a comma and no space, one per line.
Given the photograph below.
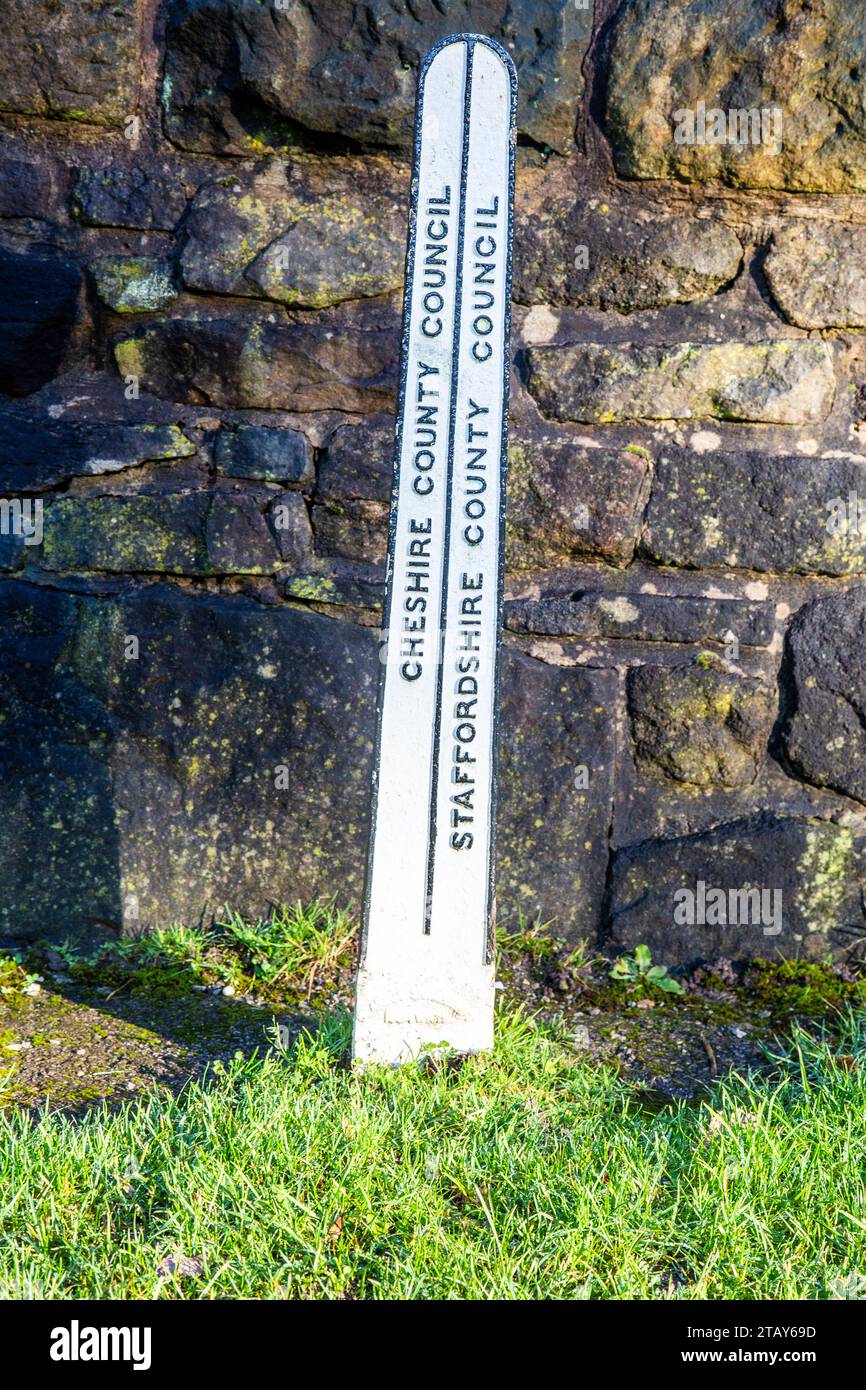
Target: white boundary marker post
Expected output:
[426,971]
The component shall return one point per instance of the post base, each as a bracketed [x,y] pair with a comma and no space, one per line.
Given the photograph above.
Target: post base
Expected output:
[400,1016]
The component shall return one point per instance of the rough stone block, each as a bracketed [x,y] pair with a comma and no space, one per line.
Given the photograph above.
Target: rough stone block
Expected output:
[263,452]
[755,511]
[191,533]
[290,524]
[115,196]
[693,898]
[574,250]
[567,501]
[353,490]
[740,57]
[308,243]
[76,61]
[39,453]
[243,76]
[789,382]
[555,792]
[699,725]
[644,617]
[133,284]
[825,735]
[336,363]
[816,272]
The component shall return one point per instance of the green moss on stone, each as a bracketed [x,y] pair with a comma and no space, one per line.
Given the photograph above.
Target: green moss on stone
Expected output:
[133,284]
[826,870]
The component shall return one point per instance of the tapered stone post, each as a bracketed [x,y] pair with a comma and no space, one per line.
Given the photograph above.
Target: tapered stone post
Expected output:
[426,972]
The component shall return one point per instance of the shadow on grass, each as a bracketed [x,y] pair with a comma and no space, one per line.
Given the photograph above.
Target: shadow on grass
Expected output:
[71,1046]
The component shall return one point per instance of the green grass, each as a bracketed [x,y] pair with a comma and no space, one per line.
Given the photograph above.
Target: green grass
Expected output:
[13,977]
[530,937]
[303,943]
[529,1173]
[299,947]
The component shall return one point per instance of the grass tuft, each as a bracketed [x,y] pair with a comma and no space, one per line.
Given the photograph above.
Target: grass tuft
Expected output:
[302,944]
[297,949]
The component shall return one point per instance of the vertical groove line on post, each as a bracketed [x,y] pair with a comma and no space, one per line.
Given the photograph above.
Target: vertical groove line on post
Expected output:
[449,487]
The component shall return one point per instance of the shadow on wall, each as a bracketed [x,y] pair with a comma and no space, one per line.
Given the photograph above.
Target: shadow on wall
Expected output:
[169,752]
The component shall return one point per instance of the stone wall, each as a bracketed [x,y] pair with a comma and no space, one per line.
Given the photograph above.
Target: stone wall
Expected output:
[202,213]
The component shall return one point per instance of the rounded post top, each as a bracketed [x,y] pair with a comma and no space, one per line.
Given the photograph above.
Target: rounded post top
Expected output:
[470,40]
